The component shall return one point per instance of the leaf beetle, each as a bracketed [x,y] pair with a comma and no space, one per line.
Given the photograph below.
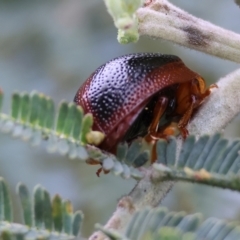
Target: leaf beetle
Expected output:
[146,95]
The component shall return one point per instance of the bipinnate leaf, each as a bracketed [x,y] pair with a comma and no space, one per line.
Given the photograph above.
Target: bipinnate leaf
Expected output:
[211,160]
[67,131]
[43,218]
[159,223]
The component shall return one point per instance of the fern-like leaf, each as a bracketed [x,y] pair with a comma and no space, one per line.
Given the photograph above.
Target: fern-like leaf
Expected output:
[43,218]
[159,223]
[33,119]
[211,160]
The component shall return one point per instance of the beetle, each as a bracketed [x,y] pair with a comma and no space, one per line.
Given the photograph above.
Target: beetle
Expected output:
[146,95]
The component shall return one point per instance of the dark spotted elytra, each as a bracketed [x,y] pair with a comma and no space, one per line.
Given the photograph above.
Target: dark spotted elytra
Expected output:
[141,95]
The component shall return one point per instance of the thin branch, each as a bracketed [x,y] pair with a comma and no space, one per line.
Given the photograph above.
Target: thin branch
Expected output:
[161,19]
[231,182]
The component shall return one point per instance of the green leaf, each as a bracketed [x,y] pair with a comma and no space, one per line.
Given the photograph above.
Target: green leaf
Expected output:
[177,219]
[35,102]
[25,107]
[139,224]
[5,235]
[1,99]
[62,115]
[228,158]
[57,213]
[211,160]
[141,159]
[45,214]
[49,114]
[168,233]
[196,151]
[161,150]
[77,222]
[190,223]
[5,202]
[216,151]
[77,126]
[39,206]
[122,150]
[208,146]
[123,14]
[2,216]
[16,103]
[42,110]
[67,210]
[158,223]
[214,228]
[26,204]
[70,120]
[133,151]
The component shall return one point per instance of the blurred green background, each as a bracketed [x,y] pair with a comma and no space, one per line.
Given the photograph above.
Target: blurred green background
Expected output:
[52,47]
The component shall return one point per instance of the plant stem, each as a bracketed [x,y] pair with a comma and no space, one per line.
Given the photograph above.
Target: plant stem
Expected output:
[161,19]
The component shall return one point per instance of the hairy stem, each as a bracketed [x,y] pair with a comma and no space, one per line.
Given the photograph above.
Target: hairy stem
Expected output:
[161,19]
[220,108]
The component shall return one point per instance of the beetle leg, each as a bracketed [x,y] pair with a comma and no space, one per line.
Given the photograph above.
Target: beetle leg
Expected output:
[197,98]
[153,134]
[92,161]
[158,111]
[95,162]
[198,89]
[170,130]
[186,117]
[101,170]
[208,91]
